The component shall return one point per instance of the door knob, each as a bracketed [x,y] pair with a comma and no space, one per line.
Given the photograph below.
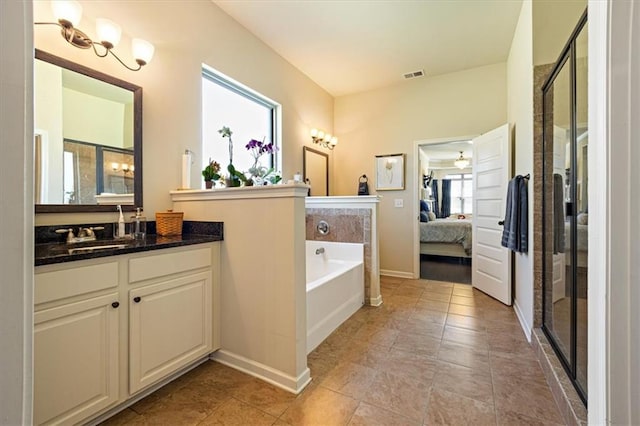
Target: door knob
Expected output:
[137,299]
[115,304]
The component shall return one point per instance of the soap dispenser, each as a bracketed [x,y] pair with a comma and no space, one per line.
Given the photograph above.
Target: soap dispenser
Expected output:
[139,224]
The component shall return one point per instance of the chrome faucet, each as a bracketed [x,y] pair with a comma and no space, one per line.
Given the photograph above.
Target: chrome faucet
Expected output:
[84,234]
[320,250]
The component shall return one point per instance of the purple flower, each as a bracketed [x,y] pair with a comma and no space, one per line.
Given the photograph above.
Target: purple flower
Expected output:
[254,144]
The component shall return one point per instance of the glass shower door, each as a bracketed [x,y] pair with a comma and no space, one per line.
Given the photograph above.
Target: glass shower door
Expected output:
[566,208]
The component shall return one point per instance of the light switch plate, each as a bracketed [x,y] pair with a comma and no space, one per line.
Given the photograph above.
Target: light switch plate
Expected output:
[399,202]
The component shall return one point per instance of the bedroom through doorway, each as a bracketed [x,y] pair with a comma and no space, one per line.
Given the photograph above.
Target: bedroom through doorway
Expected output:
[445,200]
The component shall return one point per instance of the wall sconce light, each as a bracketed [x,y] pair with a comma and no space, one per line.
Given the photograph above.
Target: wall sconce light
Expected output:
[323,139]
[124,167]
[68,14]
[461,162]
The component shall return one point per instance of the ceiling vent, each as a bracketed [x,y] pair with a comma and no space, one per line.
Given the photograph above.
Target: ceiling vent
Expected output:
[414,74]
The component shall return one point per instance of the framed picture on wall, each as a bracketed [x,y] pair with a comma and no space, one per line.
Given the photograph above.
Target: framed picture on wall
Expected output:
[390,172]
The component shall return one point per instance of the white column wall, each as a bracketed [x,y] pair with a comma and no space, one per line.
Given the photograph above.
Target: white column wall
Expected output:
[263,318]
[16,219]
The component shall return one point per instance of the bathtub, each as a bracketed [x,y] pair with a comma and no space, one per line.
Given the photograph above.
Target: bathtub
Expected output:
[335,287]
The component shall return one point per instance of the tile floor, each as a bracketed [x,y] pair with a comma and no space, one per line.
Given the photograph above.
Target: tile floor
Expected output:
[433,353]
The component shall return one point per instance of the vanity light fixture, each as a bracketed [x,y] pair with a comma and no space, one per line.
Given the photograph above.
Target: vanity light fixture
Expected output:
[323,139]
[124,167]
[68,14]
[461,162]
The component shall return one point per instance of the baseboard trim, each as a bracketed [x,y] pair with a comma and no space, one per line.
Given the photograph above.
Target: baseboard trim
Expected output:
[397,274]
[375,301]
[264,372]
[523,323]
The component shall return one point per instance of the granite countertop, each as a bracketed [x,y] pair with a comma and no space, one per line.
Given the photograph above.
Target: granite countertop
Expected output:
[49,250]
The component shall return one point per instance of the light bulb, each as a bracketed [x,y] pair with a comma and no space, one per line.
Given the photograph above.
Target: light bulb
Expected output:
[125,167]
[334,141]
[320,135]
[314,133]
[115,166]
[108,32]
[67,11]
[327,137]
[142,51]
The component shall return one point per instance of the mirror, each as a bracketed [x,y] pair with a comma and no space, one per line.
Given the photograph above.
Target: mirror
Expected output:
[88,139]
[315,167]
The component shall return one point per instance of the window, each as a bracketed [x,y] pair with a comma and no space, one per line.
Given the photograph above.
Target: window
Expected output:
[461,193]
[246,113]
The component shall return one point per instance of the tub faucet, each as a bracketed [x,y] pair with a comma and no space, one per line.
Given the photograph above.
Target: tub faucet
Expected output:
[320,250]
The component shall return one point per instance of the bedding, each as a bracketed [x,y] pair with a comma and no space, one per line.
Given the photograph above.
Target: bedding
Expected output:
[447,231]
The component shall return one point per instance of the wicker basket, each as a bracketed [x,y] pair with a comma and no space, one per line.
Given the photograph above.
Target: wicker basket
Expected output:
[169,223]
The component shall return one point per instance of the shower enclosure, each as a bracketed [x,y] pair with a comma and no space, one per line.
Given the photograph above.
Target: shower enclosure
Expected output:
[566,208]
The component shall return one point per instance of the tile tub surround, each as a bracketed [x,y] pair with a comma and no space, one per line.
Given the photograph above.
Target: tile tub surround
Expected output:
[462,359]
[51,248]
[351,219]
[345,226]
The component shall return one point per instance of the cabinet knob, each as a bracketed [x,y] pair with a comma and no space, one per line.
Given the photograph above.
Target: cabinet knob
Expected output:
[115,304]
[137,299]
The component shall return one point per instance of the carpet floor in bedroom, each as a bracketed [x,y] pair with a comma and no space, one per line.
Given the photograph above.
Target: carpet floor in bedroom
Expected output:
[444,268]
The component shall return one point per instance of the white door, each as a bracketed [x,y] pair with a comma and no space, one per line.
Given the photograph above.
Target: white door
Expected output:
[491,263]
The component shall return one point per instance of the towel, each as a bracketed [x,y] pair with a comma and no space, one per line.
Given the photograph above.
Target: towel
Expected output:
[515,234]
[558,214]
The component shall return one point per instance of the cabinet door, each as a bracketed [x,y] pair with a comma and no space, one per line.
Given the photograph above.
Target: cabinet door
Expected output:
[75,360]
[169,327]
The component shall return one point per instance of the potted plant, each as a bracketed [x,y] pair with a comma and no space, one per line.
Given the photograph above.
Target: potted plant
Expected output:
[210,173]
[260,174]
[235,177]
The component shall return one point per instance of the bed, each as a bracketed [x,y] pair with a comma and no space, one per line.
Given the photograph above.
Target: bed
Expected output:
[446,237]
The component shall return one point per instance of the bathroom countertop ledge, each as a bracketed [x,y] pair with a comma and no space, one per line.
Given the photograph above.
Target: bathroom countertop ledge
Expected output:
[52,253]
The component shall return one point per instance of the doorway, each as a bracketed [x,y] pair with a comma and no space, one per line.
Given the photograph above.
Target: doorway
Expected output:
[444,200]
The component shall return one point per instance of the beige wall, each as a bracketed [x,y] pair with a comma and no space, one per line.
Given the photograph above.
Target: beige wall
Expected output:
[80,122]
[390,120]
[48,123]
[520,112]
[553,22]
[186,35]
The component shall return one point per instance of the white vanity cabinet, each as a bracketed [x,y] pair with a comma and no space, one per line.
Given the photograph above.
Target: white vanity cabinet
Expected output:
[76,343]
[170,320]
[106,329]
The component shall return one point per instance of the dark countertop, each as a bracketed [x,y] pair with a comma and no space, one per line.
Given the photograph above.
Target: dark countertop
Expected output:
[49,252]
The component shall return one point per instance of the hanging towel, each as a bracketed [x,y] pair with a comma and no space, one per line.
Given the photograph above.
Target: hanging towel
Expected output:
[558,214]
[515,234]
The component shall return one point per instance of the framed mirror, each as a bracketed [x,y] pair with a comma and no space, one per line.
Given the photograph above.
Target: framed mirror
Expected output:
[315,168]
[88,139]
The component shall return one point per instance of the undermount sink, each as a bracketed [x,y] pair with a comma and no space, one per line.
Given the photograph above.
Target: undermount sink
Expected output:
[96,247]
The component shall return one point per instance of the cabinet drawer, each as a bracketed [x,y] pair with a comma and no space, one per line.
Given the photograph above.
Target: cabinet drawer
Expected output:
[74,281]
[159,265]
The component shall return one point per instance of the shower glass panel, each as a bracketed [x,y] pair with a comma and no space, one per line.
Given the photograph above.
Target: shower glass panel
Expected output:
[582,218]
[566,208]
[558,171]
